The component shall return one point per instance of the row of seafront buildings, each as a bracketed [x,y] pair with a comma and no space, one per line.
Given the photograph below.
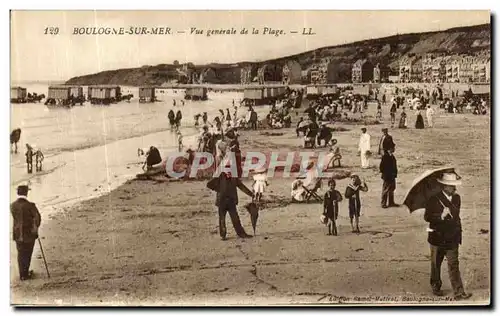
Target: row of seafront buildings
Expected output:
[445,68]
[430,68]
[323,72]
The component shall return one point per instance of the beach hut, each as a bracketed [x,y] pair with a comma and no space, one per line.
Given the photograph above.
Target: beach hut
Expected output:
[104,94]
[196,93]
[65,95]
[261,94]
[329,90]
[18,95]
[147,94]
[312,90]
[361,89]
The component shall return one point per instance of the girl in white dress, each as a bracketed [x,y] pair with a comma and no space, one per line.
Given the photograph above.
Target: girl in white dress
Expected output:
[260,183]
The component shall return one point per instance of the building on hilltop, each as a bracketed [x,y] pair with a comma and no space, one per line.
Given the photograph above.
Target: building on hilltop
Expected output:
[481,69]
[270,73]
[410,69]
[362,71]
[292,73]
[466,72]
[380,73]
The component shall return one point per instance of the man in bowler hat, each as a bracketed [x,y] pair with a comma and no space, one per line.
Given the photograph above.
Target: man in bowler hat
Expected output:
[25,230]
[386,142]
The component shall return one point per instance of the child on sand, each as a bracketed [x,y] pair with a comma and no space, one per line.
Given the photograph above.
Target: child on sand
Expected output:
[260,183]
[331,207]
[352,194]
[179,140]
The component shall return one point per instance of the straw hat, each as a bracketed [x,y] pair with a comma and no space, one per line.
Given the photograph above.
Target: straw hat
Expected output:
[260,170]
[450,179]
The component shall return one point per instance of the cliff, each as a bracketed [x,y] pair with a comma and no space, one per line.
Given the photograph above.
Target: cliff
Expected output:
[386,51]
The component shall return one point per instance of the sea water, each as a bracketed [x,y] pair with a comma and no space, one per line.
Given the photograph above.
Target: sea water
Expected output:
[90,150]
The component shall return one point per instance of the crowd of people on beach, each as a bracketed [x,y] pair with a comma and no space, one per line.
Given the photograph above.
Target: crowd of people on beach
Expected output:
[220,136]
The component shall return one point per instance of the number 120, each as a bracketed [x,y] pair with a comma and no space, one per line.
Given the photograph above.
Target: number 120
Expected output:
[51,30]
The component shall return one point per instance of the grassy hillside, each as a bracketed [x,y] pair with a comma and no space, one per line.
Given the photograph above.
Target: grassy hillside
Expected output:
[387,51]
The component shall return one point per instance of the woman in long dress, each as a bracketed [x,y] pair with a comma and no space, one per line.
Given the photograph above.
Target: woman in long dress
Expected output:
[419,124]
[403,121]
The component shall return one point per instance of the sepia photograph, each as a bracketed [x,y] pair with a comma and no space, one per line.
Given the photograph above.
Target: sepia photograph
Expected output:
[250,158]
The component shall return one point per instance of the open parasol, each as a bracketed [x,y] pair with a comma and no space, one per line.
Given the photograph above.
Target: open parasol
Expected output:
[424,187]
[253,210]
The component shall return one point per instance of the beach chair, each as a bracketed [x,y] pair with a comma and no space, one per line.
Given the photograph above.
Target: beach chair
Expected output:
[313,193]
[335,160]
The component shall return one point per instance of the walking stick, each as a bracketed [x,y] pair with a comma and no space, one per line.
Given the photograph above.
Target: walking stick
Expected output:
[43,256]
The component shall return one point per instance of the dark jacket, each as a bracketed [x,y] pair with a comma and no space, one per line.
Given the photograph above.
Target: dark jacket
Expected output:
[388,167]
[153,157]
[26,220]
[386,143]
[324,132]
[226,188]
[331,204]
[448,231]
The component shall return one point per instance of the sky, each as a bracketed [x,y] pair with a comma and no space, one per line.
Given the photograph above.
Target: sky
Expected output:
[39,56]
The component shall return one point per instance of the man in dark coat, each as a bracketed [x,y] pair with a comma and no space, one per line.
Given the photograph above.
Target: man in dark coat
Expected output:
[153,157]
[389,171]
[386,142]
[25,230]
[442,211]
[227,200]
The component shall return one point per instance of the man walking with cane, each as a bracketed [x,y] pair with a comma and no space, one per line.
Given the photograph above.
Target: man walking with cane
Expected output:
[25,230]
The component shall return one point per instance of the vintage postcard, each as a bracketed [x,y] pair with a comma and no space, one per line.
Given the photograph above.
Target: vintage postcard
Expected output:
[250,158]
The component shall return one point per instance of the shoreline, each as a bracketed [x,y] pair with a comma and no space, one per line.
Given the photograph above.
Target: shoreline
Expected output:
[149,242]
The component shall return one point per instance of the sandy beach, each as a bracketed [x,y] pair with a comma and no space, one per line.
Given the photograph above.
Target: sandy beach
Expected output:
[157,242]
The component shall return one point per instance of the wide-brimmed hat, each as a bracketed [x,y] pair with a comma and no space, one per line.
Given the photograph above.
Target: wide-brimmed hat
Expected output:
[385,129]
[260,170]
[450,179]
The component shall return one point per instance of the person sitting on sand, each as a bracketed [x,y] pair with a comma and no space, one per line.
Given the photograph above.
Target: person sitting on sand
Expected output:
[309,181]
[298,129]
[153,157]
[325,134]
[333,155]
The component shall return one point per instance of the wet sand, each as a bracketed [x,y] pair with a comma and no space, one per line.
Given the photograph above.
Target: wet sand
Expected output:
[157,243]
